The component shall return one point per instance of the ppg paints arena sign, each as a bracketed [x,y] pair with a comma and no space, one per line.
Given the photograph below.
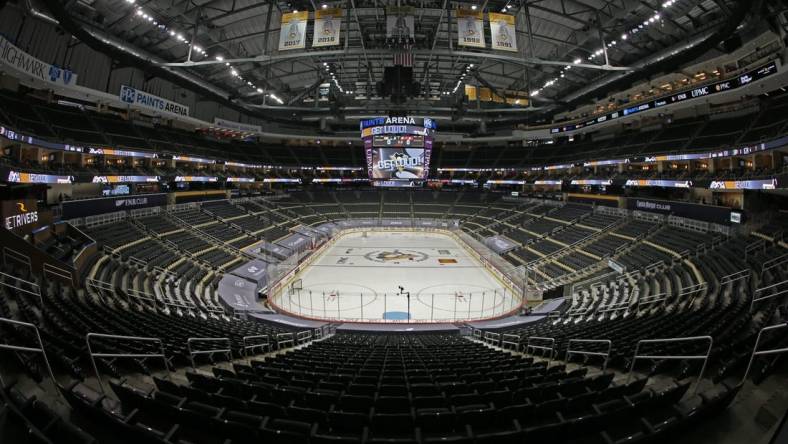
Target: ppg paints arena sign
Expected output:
[141,99]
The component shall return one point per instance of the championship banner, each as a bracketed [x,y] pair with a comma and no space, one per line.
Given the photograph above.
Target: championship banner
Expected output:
[502,30]
[470,28]
[327,25]
[400,23]
[292,32]
[22,62]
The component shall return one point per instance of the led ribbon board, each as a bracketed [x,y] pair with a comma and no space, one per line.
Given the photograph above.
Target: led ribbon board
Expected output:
[753,75]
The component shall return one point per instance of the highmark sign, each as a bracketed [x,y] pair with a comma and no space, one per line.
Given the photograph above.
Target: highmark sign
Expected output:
[158,105]
[13,57]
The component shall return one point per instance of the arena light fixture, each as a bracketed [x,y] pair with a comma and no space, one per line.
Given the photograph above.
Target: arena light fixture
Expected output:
[474,7]
[219,58]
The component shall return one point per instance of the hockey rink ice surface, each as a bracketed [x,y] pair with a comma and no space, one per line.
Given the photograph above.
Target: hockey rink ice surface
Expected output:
[358,279]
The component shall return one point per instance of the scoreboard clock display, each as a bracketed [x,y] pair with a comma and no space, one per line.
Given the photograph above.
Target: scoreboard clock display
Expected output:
[398,140]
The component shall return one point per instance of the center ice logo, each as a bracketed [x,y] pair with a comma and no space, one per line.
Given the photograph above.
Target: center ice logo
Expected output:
[396,256]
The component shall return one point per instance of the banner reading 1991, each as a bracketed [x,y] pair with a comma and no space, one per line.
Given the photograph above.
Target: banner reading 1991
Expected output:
[502,31]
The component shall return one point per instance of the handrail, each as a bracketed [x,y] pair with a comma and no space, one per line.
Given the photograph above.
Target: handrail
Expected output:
[755,352]
[93,355]
[733,277]
[779,292]
[515,343]
[492,338]
[774,262]
[193,353]
[705,357]
[284,338]
[529,346]
[570,351]
[23,290]
[303,336]
[40,348]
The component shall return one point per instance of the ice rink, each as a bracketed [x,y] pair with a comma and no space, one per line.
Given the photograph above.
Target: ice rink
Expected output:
[359,278]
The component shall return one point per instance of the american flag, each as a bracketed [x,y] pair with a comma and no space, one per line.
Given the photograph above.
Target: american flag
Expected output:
[403,59]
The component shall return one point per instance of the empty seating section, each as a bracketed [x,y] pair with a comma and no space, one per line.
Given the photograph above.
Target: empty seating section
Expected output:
[542,226]
[195,217]
[223,209]
[400,388]
[571,212]
[571,235]
[158,224]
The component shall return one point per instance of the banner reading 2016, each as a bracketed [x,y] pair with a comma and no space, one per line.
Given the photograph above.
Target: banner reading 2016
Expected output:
[327,25]
[502,30]
[470,28]
[292,34]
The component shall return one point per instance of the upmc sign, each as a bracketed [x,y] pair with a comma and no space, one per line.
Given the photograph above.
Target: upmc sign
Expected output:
[90,207]
[20,216]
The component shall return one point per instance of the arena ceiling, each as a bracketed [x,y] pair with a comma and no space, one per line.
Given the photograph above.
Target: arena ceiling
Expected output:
[565,46]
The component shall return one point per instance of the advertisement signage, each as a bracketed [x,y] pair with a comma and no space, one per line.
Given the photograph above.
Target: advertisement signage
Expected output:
[125,179]
[19,177]
[763,184]
[658,183]
[196,179]
[149,102]
[758,73]
[403,120]
[20,216]
[707,213]
[89,207]
[13,57]
[237,126]
[121,153]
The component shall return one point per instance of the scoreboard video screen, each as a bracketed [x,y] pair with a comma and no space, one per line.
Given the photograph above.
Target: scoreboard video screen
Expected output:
[399,140]
[398,163]
[398,149]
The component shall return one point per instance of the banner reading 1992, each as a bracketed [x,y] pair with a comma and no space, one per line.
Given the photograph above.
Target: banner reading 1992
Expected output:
[470,28]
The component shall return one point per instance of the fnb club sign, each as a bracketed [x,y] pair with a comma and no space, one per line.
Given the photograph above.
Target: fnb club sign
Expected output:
[90,207]
[20,216]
